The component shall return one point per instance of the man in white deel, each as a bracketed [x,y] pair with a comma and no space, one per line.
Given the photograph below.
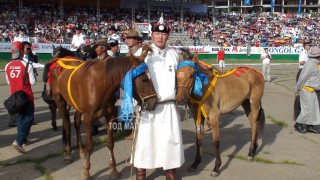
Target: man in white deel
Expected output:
[266,58]
[308,83]
[159,140]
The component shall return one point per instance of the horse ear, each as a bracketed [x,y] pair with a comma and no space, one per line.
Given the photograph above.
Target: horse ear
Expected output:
[181,57]
[195,57]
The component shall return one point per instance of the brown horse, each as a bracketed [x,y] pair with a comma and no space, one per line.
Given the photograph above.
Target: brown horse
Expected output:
[58,52]
[91,89]
[221,95]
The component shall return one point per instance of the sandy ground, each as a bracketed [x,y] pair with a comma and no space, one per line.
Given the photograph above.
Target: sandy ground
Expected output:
[290,155]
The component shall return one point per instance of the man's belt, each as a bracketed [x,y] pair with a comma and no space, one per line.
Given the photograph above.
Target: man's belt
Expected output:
[167,101]
[308,88]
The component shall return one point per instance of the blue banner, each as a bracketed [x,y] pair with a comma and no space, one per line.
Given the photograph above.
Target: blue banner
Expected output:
[246,2]
[299,8]
[272,6]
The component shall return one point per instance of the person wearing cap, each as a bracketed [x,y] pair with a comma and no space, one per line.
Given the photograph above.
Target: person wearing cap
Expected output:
[132,41]
[308,82]
[114,48]
[303,56]
[266,58]
[78,39]
[112,34]
[159,140]
[15,71]
[21,35]
[101,46]
[220,59]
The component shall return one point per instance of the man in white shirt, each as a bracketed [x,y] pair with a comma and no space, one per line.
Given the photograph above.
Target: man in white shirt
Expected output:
[78,39]
[22,35]
[303,56]
[112,34]
[266,58]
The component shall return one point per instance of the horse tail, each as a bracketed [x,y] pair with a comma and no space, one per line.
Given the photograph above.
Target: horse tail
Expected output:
[145,50]
[261,119]
[45,72]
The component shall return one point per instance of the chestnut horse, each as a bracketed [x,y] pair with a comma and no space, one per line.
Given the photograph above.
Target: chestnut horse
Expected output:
[90,87]
[222,94]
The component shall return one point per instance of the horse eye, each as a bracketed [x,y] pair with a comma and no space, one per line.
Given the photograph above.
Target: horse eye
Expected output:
[145,80]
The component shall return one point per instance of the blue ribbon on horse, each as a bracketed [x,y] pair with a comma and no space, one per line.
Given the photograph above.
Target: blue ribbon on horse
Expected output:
[126,109]
[200,77]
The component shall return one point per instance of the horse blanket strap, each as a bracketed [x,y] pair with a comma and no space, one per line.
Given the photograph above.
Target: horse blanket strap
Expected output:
[74,68]
[200,104]
[308,88]
[65,66]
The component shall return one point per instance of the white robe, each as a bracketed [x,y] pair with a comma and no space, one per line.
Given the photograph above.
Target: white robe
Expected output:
[159,139]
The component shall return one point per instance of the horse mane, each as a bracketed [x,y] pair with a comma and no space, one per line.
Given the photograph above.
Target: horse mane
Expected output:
[116,68]
[60,52]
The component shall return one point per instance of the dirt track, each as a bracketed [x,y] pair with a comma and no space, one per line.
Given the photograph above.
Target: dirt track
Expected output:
[283,153]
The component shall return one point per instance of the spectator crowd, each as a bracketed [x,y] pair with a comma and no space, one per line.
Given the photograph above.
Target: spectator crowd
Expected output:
[43,23]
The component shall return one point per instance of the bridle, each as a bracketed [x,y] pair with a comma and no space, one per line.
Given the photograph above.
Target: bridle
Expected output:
[144,105]
[189,89]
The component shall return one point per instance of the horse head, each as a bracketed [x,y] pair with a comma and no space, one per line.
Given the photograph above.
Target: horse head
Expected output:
[144,91]
[186,74]
[60,52]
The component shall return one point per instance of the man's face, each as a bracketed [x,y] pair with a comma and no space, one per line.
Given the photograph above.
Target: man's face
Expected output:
[110,32]
[21,33]
[307,47]
[26,49]
[160,39]
[100,49]
[131,42]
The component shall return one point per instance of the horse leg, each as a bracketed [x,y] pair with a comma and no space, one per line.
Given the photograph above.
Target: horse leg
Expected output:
[77,125]
[199,137]
[66,132]
[110,144]
[88,147]
[53,111]
[252,112]
[215,130]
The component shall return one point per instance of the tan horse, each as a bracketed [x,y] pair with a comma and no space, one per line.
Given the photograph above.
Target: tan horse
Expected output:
[91,89]
[221,95]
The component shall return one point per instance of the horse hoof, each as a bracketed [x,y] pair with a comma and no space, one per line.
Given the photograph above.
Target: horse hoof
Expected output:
[214,174]
[55,128]
[67,160]
[114,176]
[249,158]
[85,177]
[192,169]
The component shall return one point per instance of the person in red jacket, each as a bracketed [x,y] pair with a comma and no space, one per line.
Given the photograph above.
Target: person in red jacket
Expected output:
[220,59]
[15,71]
